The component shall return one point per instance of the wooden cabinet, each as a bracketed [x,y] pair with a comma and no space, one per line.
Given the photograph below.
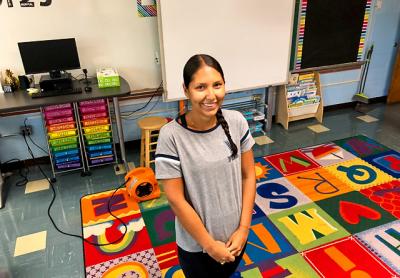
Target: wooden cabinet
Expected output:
[394,90]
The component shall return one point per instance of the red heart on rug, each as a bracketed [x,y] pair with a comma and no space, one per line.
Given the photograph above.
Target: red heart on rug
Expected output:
[352,212]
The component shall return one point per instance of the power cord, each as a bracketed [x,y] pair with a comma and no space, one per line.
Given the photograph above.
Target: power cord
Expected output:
[39,147]
[24,177]
[145,114]
[54,197]
[147,103]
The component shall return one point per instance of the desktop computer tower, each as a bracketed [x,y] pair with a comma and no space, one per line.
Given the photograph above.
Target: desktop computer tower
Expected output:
[64,82]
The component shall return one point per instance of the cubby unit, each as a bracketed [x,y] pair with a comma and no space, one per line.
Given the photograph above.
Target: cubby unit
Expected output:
[300,100]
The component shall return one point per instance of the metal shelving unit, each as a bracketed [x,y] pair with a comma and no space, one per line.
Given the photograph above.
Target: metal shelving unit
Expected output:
[96,129]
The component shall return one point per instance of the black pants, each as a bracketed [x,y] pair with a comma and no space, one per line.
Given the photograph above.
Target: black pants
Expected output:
[199,264]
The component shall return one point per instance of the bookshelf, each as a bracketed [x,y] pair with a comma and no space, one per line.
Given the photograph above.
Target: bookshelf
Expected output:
[298,101]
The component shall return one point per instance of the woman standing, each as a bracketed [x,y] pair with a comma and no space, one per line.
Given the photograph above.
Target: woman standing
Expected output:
[205,161]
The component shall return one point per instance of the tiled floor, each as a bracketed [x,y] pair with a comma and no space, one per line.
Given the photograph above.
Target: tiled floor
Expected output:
[26,214]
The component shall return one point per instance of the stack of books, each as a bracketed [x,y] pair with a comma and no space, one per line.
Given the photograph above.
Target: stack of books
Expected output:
[302,90]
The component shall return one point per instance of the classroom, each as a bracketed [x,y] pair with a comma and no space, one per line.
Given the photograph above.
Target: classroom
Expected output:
[229,138]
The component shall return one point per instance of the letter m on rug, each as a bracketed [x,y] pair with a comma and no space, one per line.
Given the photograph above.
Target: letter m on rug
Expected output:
[391,239]
[307,225]
[101,205]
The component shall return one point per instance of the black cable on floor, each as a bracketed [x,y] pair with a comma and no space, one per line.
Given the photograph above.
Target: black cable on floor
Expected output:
[54,197]
[24,176]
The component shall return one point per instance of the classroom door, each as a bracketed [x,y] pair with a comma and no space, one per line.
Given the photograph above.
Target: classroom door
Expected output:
[394,90]
[383,34]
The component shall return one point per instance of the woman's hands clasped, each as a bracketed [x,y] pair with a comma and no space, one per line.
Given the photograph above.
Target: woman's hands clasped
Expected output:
[226,252]
[219,252]
[237,241]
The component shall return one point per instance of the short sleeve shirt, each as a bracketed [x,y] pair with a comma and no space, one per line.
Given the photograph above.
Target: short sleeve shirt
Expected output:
[212,178]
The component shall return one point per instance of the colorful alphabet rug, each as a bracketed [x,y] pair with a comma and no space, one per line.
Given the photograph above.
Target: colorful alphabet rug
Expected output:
[330,210]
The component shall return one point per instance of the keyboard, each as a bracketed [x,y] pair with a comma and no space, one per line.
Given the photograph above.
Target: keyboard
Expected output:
[57,93]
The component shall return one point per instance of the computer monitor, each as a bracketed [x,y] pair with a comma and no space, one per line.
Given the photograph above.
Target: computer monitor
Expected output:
[50,56]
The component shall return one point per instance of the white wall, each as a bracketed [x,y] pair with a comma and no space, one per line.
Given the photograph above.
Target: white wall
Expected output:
[108,33]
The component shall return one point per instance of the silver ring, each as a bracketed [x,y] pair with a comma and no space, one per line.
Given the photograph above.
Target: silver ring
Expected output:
[222,263]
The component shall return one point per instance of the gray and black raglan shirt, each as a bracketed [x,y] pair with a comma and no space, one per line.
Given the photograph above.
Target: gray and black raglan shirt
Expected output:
[212,179]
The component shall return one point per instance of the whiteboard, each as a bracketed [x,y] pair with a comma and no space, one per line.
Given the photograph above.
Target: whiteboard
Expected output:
[108,34]
[250,38]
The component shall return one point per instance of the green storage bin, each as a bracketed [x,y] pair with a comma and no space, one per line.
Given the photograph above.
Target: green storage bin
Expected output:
[93,136]
[99,141]
[64,147]
[63,141]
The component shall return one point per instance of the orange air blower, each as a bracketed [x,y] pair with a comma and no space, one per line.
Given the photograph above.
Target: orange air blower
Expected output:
[142,184]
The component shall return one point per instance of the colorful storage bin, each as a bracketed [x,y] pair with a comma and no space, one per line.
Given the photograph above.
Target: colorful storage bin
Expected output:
[62,126]
[97,132]
[100,121]
[97,128]
[63,137]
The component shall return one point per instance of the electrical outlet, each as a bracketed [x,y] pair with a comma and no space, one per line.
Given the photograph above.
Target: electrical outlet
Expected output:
[26,130]
[157,58]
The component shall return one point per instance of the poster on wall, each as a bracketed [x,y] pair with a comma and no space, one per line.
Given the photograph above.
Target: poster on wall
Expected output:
[27,3]
[146,9]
